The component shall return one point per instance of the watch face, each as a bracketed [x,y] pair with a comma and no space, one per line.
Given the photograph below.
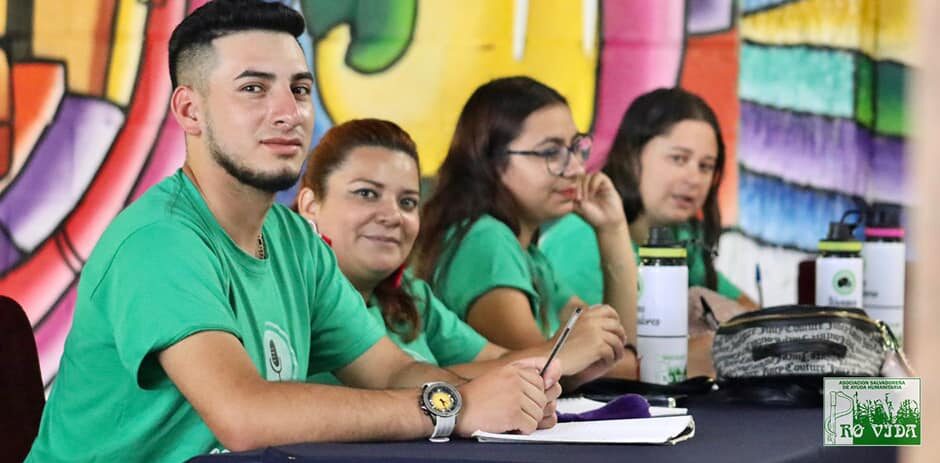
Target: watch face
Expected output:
[442,399]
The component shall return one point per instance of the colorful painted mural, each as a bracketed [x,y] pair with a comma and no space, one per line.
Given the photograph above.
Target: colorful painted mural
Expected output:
[83,100]
[823,126]
[84,128]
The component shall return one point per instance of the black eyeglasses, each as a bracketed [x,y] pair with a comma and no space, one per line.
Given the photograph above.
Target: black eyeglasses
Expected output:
[557,158]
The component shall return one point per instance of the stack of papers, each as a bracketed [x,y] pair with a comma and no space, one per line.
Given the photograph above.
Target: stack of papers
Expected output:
[667,426]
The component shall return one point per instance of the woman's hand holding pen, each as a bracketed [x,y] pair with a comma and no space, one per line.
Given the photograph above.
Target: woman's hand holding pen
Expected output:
[594,345]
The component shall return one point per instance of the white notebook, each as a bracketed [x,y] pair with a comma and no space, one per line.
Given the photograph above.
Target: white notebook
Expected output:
[659,430]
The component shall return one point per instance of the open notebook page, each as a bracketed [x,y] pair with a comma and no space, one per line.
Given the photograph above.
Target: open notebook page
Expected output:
[660,430]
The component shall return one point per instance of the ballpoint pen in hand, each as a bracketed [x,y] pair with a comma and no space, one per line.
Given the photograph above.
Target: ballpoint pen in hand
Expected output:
[561,338]
[709,314]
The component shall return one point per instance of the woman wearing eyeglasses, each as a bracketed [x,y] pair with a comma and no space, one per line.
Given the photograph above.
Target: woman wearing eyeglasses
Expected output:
[516,162]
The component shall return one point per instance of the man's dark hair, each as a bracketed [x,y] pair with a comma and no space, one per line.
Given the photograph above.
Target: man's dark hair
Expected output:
[191,42]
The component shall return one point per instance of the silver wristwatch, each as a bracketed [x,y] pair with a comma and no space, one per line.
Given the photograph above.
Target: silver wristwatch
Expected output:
[441,401]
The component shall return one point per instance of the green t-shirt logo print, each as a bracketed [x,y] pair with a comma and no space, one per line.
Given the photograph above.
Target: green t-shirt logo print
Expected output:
[281,364]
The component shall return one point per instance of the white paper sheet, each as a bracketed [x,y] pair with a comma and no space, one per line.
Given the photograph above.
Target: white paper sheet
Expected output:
[660,430]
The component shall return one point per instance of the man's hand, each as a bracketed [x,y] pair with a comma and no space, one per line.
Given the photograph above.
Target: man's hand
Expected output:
[552,392]
[511,398]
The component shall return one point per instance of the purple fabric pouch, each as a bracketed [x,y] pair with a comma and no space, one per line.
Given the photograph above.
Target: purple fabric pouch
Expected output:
[623,407]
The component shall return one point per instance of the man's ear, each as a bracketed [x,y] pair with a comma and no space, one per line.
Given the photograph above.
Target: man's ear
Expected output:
[185,104]
[307,204]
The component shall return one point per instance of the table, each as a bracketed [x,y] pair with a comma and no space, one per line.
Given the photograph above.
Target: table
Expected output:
[725,432]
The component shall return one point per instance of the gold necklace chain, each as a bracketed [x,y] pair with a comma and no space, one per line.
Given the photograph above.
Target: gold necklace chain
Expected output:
[260,253]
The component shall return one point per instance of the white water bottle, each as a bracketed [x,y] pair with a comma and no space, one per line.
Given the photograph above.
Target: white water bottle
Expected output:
[884,255]
[839,268]
[663,310]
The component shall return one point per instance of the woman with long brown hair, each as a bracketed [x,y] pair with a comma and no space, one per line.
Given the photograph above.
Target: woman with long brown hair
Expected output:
[666,162]
[515,163]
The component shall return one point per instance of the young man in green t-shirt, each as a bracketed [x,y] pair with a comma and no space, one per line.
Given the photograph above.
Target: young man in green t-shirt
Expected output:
[204,305]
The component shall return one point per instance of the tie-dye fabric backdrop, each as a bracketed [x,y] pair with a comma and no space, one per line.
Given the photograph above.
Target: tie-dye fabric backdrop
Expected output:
[809,94]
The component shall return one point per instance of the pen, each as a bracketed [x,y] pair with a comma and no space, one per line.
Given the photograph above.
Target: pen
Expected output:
[760,289]
[709,314]
[661,401]
[561,339]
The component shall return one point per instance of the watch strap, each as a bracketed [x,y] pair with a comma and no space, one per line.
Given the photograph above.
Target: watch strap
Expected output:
[443,427]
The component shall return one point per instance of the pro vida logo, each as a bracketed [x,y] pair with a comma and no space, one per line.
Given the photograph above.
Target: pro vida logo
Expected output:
[871,411]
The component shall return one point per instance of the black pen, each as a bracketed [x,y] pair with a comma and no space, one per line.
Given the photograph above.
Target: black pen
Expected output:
[709,315]
[561,339]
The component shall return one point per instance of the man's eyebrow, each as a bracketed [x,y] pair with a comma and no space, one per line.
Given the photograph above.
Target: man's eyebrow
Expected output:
[306,75]
[253,73]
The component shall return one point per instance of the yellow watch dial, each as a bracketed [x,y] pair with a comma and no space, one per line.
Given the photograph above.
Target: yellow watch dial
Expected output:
[442,401]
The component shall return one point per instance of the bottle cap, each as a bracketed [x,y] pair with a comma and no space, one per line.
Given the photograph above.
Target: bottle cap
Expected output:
[883,215]
[840,231]
[661,236]
[662,244]
[840,239]
[883,220]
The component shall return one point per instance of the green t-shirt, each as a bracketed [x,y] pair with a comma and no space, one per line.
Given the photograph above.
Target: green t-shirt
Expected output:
[443,339]
[490,257]
[571,245]
[163,270]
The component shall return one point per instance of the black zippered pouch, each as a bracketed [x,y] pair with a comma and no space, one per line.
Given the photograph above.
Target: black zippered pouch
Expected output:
[781,354]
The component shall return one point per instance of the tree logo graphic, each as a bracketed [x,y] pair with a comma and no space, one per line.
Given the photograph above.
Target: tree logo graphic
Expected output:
[843,282]
[676,374]
[872,411]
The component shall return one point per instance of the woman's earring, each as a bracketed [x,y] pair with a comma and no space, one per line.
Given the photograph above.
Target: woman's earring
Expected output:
[326,239]
[398,276]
